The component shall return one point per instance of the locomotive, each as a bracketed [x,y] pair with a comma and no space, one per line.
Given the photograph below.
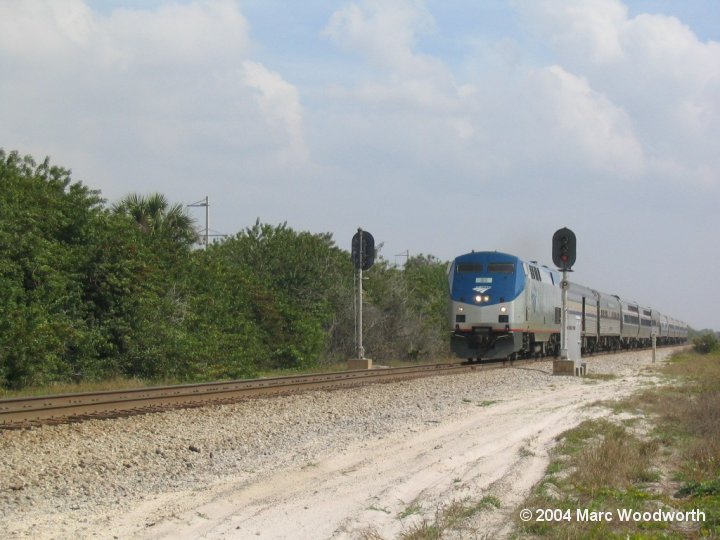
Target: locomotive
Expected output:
[506,307]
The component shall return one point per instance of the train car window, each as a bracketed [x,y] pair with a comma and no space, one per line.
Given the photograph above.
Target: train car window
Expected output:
[502,268]
[468,267]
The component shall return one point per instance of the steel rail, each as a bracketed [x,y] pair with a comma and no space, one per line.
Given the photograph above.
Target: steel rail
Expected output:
[65,408]
[62,408]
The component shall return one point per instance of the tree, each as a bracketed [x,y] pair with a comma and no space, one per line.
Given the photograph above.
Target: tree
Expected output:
[289,282]
[88,291]
[405,310]
[156,217]
[45,229]
[84,290]
[429,301]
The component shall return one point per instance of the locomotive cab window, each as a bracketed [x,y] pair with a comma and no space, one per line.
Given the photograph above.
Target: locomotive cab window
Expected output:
[501,268]
[464,268]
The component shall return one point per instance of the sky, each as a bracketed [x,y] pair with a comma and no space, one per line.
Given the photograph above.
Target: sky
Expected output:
[440,126]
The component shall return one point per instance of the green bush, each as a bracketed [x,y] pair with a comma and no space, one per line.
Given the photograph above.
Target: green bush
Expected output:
[706,343]
[90,291]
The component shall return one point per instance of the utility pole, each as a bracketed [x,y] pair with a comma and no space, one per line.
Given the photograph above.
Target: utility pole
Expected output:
[204,202]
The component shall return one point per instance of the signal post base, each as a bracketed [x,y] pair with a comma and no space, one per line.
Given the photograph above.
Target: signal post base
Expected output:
[360,363]
[569,368]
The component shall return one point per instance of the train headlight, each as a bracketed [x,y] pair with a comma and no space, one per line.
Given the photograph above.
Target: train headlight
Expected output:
[478,298]
[486,298]
[503,309]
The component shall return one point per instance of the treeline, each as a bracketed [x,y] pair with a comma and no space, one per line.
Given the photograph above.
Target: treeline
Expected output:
[91,291]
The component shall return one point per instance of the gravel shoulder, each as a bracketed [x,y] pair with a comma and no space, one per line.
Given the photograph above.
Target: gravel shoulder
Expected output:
[340,464]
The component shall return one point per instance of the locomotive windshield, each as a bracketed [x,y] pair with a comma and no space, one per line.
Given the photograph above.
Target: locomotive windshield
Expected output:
[469,267]
[501,268]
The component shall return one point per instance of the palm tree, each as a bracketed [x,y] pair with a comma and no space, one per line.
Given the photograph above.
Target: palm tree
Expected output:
[156,217]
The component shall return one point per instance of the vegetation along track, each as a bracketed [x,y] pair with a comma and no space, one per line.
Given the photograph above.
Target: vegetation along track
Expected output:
[23,412]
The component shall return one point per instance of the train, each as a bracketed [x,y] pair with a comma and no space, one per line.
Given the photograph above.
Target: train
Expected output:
[505,307]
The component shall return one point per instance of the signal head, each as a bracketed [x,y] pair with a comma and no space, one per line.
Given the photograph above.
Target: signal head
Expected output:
[563,248]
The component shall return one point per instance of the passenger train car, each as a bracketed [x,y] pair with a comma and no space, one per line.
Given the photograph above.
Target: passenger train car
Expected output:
[505,307]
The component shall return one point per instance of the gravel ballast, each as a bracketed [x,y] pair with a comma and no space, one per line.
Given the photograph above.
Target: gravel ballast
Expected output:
[76,473]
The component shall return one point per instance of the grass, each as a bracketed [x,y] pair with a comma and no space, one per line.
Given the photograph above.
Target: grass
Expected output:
[414,508]
[525,450]
[487,402]
[668,457]
[120,383]
[451,516]
[599,377]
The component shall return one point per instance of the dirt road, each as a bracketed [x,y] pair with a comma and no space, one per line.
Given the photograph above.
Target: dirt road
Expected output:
[384,486]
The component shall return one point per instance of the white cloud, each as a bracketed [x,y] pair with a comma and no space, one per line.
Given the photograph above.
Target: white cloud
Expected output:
[385,31]
[526,123]
[280,103]
[155,88]
[653,68]
[176,34]
[209,32]
[588,29]
[36,30]
[581,126]
[386,34]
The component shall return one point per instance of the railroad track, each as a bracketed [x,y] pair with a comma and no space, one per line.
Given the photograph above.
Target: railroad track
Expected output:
[18,413]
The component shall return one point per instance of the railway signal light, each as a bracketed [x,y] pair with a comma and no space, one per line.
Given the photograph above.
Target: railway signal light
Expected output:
[563,249]
[363,257]
[363,250]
